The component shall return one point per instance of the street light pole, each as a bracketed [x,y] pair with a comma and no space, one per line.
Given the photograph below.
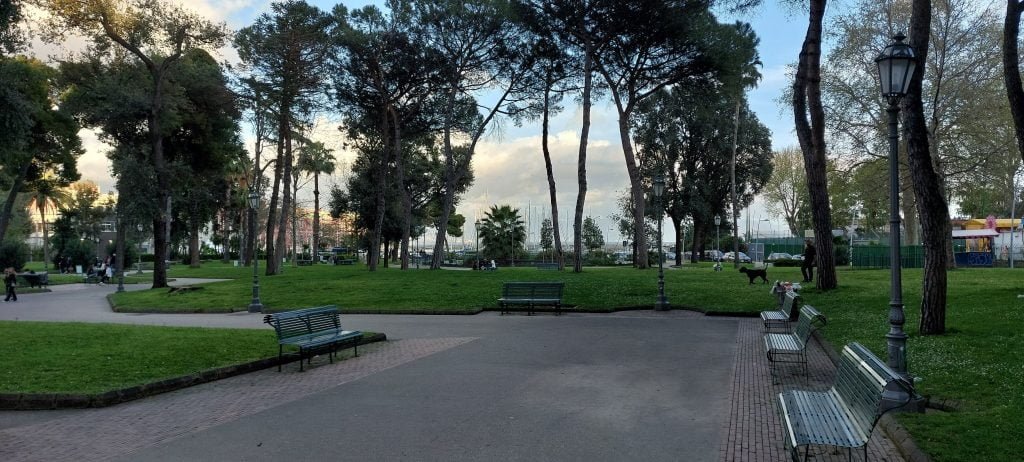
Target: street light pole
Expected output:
[138,270]
[718,243]
[254,204]
[662,303]
[896,65]
[476,226]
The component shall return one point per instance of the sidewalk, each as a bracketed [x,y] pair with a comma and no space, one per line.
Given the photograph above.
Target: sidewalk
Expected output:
[669,386]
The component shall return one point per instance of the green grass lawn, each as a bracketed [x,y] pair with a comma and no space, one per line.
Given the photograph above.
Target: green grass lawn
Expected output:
[45,357]
[975,363]
[354,289]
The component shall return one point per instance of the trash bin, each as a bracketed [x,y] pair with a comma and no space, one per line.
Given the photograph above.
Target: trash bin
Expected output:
[78,269]
[234,262]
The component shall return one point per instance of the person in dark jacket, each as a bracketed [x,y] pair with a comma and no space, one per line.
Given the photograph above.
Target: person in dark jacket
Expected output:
[10,280]
[810,255]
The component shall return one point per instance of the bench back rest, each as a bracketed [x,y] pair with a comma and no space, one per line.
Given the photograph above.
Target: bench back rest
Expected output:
[532,289]
[860,381]
[297,323]
[810,319]
[791,302]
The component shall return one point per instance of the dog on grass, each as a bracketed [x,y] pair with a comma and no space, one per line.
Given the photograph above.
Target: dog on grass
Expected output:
[755,273]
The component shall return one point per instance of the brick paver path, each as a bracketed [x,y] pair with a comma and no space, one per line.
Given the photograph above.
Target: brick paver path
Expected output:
[102,434]
[754,430]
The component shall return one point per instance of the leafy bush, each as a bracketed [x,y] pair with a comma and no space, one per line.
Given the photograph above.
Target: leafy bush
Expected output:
[787,262]
[13,254]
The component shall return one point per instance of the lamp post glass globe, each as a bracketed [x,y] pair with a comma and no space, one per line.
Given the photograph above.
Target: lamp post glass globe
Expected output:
[896,66]
[662,304]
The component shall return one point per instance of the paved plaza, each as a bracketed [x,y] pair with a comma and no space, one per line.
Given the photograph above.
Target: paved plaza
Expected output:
[639,385]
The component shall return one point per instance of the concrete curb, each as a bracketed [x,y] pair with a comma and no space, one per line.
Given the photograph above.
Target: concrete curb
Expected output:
[49,401]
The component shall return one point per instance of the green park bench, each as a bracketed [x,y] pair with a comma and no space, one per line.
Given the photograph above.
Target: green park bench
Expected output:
[846,414]
[791,347]
[531,295]
[547,266]
[789,311]
[311,330]
[35,279]
[305,262]
[344,261]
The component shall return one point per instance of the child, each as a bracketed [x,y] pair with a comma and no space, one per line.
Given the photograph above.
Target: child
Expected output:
[10,280]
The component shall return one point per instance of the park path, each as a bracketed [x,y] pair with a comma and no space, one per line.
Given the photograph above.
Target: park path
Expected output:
[667,386]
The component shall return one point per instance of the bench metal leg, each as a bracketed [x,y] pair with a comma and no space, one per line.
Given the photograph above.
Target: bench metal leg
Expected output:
[280,357]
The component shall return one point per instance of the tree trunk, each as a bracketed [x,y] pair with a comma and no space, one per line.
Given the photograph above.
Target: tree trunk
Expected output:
[5,216]
[193,242]
[732,173]
[295,217]
[811,133]
[556,234]
[1011,69]
[931,203]
[403,191]
[286,200]
[581,163]
[119,246]
[271,247]
[316,217]
[162,221]
[46,239]
[636,186]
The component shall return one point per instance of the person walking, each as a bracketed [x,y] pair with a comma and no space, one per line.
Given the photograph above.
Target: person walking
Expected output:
[10,280]
[810,256]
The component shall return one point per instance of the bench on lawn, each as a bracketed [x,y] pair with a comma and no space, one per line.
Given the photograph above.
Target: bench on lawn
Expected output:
[305,262]
[532,295]
[546,266]
[792,347]
[92,278]
[344,261]
[789,311]
[312,330]
[36,279]
[846,414]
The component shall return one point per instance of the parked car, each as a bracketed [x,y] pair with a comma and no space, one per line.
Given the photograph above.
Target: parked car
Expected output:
[712,255]
[798,257]
[743,258]
[779,256]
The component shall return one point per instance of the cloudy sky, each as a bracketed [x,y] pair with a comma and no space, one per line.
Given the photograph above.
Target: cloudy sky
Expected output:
[509,164]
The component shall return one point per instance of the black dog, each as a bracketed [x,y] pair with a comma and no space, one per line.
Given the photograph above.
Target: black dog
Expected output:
[755,273]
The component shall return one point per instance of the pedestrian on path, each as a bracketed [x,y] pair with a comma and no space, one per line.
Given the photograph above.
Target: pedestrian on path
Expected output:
[810,255]
[10,280]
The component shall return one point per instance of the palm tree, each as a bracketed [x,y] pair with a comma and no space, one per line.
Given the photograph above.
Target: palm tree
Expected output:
[502,232]
[315,158]
[47,193]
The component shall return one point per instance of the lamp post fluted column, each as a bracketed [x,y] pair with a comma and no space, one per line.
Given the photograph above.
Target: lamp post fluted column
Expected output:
[896,339]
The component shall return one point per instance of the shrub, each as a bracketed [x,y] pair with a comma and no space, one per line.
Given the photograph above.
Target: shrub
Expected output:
[787,262]
[13,254]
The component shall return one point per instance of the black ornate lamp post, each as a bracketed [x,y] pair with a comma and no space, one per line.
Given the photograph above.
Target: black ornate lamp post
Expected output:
[718,243]
[896,66]
[138,270]
[254,204]
[476,227]
[662,303]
